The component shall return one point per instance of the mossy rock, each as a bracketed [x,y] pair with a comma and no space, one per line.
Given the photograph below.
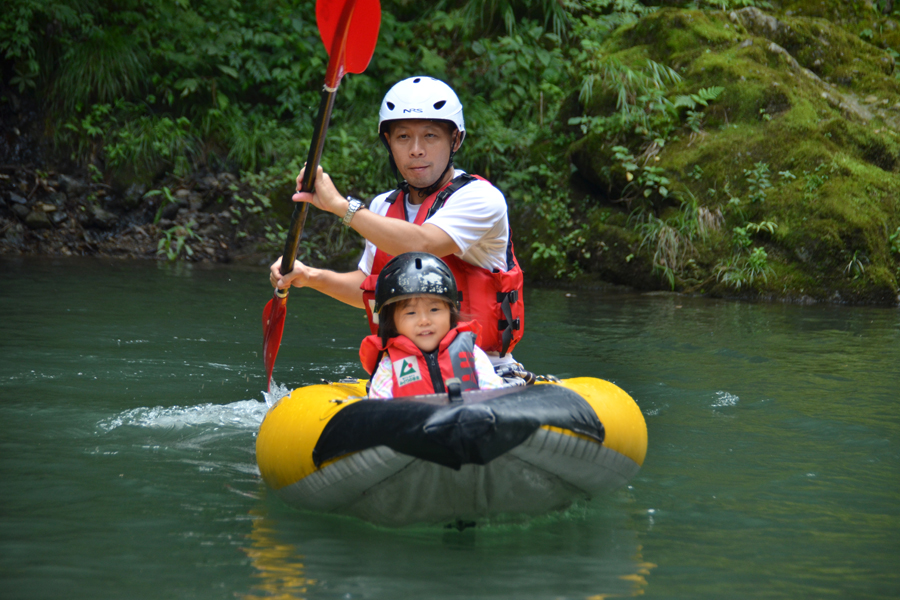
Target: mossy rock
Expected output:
[614,256]
[864,19]
[809,104]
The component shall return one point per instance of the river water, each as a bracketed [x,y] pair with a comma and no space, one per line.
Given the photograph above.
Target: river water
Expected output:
[131,392]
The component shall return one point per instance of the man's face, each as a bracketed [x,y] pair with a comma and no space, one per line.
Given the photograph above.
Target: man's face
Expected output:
[421,149]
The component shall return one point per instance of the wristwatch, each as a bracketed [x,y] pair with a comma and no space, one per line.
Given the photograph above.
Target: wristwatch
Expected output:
[355,205]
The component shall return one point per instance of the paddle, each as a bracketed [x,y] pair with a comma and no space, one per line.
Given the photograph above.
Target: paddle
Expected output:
[349,30]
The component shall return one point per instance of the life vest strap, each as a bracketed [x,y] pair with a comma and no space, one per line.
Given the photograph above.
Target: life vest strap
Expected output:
[507,325]
[441,199]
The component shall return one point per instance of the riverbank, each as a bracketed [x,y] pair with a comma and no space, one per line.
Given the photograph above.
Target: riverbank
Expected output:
[51,207]
[45,212]
[204,218]
[740,154]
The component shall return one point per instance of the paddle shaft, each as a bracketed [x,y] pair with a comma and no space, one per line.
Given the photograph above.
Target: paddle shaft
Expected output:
[298,219]
[349,30]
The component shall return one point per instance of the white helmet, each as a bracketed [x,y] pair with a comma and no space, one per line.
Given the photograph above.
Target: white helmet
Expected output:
[421,98]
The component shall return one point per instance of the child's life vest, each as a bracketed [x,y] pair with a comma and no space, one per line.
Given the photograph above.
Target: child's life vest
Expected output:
[416,372]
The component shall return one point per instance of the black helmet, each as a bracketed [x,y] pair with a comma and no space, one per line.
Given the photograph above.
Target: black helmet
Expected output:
[414,274]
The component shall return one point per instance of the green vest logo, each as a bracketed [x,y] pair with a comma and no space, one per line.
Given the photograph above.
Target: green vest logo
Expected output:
[406,370]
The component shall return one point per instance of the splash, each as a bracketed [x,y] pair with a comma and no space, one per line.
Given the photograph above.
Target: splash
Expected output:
[278,392]
[725,399]
[246,414]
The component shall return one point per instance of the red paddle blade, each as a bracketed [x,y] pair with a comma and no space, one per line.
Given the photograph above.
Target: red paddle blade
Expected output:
[349,30]
[273,327]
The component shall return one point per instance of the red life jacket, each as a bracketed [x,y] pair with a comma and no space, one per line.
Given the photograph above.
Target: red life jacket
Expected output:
[416,373]
[493,298]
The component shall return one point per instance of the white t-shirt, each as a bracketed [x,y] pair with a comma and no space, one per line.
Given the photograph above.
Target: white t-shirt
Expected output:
[474,217]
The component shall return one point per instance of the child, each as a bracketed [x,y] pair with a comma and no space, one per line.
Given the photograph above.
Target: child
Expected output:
[420,342]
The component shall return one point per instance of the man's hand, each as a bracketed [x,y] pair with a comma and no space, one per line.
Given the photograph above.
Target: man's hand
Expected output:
[326,196]
[298,277]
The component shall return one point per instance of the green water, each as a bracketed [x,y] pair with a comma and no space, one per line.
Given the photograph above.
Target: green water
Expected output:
[130,394]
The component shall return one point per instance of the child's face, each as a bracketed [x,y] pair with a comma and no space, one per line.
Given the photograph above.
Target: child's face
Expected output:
[424,319]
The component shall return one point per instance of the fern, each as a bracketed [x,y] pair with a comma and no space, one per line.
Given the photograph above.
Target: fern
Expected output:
[701,98]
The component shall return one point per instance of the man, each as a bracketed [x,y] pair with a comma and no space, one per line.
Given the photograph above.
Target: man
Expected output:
[437,209]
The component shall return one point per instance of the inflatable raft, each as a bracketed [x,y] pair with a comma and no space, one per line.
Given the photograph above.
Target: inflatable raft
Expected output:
[441,459]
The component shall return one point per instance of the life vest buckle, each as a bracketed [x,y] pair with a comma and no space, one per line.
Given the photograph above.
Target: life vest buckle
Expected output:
[454,389]
[504,324]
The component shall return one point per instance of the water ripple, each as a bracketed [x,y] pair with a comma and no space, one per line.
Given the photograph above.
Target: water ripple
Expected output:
[725,399]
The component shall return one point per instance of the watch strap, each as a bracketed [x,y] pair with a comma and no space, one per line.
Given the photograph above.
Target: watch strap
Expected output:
[354,206]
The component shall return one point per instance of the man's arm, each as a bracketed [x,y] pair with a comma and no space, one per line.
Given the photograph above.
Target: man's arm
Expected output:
[393,236]
[396,236]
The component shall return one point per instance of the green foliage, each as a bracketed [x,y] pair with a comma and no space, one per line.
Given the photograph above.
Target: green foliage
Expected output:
[168,88]
[167,199]
[96,174]
[740,238]
[515,83]
[743,270]
[701,98]
[144,89]
[828,178]
[541,191]
[593,20]
[23,36]
[256,140]
[163,80]
[252,209]
[650,111]
[174,241]
[650,180]
[154,87]
[857,265]
[105,65]
[746,265]
[647,116]
[813,180]
[553,255]
[759,182]
[151,143]
[762,226]
[894,239]
[641,103]
[671,241]
[489,14]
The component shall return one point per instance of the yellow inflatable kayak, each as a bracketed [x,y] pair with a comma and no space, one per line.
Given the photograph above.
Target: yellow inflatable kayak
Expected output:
[436,459]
